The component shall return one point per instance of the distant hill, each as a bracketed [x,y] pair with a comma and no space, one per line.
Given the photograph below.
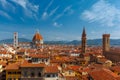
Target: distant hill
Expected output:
[10,41]
[97,42]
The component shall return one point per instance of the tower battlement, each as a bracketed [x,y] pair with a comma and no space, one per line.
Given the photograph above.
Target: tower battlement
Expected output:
[106,35]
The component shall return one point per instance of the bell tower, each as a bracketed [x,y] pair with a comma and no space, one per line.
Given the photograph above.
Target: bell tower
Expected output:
[15,43]
[106,42]
[83,42]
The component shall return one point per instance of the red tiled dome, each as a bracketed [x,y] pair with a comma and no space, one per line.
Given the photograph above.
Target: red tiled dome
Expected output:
[37,37]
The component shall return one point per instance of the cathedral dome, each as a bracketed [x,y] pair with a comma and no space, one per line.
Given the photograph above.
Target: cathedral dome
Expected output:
[37,37]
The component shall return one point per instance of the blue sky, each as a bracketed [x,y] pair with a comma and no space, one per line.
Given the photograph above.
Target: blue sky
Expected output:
[59,19]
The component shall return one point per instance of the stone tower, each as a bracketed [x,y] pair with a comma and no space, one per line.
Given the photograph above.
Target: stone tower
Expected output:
[83,42]
[106,42]
[15,43]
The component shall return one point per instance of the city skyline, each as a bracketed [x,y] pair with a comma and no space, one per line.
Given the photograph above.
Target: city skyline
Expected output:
[59,20]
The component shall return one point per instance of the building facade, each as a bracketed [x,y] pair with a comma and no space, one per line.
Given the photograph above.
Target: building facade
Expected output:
[37,42]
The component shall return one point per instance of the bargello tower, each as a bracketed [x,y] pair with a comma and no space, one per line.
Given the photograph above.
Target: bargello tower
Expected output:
[83,42]
[106,42]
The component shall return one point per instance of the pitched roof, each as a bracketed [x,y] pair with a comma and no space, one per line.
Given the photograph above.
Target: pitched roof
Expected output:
[13,66]
[103,74]
[3,63]
[39,55]
[27,64]
[116,68]
[51,69]
[71,78]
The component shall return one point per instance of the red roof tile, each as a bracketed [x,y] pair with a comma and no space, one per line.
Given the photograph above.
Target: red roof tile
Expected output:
[27,64]
[71,78]
[116,68]
[51,69]
[103,74]
[13,66]
[39,56]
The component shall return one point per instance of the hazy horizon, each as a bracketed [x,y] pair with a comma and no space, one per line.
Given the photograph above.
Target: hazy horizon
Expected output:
[59,40]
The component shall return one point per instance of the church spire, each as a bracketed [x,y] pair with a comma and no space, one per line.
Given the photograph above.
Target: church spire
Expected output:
[83,42]
[84,32]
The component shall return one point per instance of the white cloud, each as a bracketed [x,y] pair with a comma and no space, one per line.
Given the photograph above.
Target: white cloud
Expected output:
[53,11]
[33,8]
[104,13]
[4,14]
[45,15]
[51,2]
[7,6]
[55,24]
[4,3]
[30,9]
[21,2]
[67,9]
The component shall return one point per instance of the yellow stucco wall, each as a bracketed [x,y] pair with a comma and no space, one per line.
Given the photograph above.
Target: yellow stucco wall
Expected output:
[15,76]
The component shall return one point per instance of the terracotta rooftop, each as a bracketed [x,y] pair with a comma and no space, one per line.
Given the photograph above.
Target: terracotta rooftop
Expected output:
[116,68]
[3,63]
[3,52]
[74,68]
[13,66]
[71,78]
[27,64]
[39,55]
[103,74]
[51,69]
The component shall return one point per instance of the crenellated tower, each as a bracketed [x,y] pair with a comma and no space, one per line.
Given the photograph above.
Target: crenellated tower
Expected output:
[106,42]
